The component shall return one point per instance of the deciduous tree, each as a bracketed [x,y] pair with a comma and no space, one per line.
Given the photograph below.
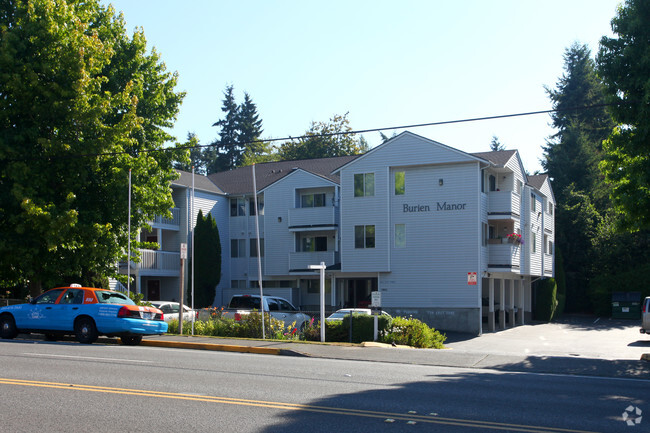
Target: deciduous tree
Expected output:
[81,103]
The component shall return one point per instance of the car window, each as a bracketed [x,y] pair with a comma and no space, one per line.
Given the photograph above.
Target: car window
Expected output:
[285,306]
[273,305]
[49,297]
[245,302]
[72,296]
[109,297]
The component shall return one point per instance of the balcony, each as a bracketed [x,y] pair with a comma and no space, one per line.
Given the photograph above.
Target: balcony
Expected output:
[172,223]
[301,261]
[159,263]
[503,204]
[504,257]
[312,218]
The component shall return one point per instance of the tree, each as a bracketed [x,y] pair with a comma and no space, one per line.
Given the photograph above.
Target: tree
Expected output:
[196,156]
[324,140]
[250,131]
[72,83]
[495,144]
[227,153]
[207,256]
[624,65]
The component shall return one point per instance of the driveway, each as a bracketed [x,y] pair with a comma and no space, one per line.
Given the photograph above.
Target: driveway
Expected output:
[579,336]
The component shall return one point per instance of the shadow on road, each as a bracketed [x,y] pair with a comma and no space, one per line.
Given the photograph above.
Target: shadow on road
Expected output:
[470,401]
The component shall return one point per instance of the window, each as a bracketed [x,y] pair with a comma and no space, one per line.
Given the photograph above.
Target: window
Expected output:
[399,183]
[237,248]
[520,185]
[313,243]
[550,247]
[237,207]
[546,245]
[534,243]
[364,236]
[251,206]
[312,200]
[253,247]
[241,284]
[533,203]
[364,184]
[49,297]
[485,235]
[493,183]
[550,208]
[400,235]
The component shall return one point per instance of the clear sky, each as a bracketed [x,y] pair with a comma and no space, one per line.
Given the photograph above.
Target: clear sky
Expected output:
[387,63]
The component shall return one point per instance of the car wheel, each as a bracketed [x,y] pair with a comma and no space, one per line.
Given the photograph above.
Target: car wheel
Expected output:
[131,340]
[50,337]
[85,330]
[8,328]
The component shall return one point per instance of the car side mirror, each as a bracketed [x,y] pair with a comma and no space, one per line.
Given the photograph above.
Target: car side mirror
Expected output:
[32,301]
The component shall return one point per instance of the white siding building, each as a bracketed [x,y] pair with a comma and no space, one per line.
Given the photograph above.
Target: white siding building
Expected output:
[451,238]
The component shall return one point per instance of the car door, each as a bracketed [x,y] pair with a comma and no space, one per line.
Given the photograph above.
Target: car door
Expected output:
[39,313]
[67,309]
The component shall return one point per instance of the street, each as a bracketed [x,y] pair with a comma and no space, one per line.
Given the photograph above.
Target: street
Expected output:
[71,387]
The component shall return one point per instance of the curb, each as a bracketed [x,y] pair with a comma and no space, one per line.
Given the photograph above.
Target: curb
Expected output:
[220,347]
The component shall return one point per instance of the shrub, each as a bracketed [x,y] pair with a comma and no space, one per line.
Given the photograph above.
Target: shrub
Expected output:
[546,299]
[412,332]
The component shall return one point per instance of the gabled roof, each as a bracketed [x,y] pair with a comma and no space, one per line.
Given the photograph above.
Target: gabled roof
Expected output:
[201,182]
[537,180]
[499,158]
[240,180]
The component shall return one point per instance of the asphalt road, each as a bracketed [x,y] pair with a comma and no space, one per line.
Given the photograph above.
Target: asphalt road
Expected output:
[69,387]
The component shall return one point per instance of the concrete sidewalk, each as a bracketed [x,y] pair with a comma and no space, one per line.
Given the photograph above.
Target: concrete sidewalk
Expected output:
[452,357]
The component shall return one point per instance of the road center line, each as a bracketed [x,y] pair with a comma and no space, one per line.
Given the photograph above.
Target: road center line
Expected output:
[294,406]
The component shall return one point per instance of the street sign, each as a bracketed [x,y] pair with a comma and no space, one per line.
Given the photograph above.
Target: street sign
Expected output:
[375,299]
[471,278]
[183,251]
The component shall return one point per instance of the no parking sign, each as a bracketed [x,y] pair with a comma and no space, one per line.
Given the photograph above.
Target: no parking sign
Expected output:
[471,278]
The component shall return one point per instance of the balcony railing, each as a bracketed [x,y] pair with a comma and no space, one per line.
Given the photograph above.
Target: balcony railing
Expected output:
[504,203]
[159,260]
[504,256]
[174,221]
[303,260]
[312,217]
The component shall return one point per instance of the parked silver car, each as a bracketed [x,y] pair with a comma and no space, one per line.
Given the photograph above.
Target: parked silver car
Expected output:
[170,310]
[645,316]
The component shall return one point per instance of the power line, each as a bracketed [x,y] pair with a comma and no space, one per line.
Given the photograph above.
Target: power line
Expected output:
[330,134]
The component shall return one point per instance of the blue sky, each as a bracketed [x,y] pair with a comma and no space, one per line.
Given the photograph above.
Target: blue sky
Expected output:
[387,63]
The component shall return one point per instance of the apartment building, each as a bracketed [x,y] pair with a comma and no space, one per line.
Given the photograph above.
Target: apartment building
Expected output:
[452,238]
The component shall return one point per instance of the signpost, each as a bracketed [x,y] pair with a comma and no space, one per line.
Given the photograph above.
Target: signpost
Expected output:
[321,267]
[180,302]
[375,307]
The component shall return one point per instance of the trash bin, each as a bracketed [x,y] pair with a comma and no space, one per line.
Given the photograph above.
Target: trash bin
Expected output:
[626,305]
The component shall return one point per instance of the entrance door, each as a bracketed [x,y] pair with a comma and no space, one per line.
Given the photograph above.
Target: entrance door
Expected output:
[153,290]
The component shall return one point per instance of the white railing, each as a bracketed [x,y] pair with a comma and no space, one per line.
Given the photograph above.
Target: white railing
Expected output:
[504,254]
[504,202]
[175,219]
[312,216]
[159,260]
[303,260]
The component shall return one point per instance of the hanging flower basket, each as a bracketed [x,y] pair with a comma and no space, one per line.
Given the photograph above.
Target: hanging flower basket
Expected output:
[515,238]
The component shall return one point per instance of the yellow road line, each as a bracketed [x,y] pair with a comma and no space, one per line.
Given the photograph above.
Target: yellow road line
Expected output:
[293,406]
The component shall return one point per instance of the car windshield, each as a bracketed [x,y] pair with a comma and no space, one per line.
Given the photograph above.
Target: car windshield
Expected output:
[108,297]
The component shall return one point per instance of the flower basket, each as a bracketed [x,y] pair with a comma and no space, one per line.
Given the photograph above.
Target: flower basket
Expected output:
[515,238]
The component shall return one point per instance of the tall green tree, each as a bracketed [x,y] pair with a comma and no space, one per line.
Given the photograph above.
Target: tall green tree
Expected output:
[624,65]
[73,83]
[250,130]
[323,140]
[227,153]
[196,156]
[495,144]
[571,159]
[207,256]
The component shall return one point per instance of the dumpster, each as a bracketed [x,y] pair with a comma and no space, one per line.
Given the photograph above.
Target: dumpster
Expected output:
[626,305]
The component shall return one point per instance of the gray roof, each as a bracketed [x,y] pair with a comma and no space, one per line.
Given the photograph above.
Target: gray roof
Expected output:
[537,180]
[200,182]
[499,158]
[240,180]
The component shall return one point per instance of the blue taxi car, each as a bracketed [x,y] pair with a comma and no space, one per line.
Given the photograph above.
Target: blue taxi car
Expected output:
[84,312]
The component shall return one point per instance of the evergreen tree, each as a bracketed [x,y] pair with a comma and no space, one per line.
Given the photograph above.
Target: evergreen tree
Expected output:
[226,152]
[196,156]
[495,144]
[207,260]
[250,129]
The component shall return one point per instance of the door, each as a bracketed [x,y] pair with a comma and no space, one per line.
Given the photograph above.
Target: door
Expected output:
[153,290]
[39,314]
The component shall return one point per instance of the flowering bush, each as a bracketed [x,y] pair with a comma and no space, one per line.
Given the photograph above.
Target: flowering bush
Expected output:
[515,238]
